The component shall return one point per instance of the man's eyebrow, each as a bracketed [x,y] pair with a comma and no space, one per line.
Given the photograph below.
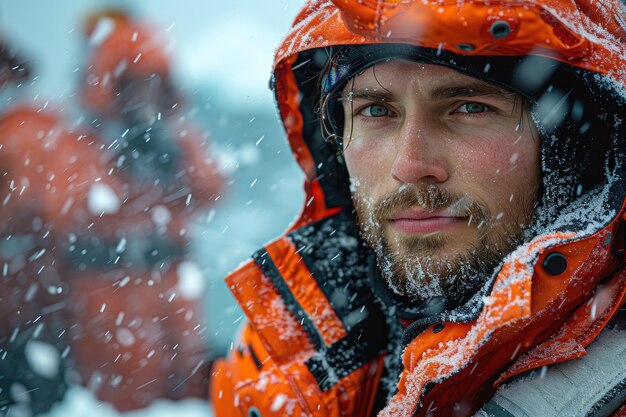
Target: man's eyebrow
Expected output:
[470,90]
[476,89]
[367,94]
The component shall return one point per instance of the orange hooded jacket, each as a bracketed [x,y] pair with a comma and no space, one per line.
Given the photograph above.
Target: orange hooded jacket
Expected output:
[317,337]
[128,357]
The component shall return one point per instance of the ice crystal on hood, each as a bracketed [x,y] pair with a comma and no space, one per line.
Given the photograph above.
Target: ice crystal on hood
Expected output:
[591,30]
[320,10]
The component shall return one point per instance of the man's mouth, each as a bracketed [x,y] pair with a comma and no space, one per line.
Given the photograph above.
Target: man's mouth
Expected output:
[422,221]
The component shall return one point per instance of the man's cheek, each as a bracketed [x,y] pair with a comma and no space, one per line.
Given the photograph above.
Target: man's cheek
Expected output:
[366,155]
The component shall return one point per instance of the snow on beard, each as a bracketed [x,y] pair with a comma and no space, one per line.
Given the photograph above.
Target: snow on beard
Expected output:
[420,267]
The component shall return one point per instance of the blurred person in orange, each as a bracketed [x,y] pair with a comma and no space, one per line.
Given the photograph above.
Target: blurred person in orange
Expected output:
[137,331]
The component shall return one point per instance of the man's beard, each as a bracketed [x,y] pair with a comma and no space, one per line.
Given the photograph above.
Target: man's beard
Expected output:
[417,270]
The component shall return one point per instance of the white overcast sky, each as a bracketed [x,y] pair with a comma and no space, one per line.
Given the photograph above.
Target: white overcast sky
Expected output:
[226,46]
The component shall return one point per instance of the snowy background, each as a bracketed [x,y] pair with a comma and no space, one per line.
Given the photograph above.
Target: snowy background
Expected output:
[222,60]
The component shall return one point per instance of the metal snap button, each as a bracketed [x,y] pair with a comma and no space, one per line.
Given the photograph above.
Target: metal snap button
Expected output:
[500,29]
[555,263]
[466,47]
[254,412]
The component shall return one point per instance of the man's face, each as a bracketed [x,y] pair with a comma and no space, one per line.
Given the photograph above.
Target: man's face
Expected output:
[444,171]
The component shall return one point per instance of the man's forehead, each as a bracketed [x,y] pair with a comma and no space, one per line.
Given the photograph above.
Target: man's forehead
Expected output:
[437,80]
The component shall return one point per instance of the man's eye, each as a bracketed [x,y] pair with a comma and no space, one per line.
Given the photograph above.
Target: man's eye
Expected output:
[473,108]
[375,110]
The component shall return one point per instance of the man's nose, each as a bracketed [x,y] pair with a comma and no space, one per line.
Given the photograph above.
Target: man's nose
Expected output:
[420,155]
